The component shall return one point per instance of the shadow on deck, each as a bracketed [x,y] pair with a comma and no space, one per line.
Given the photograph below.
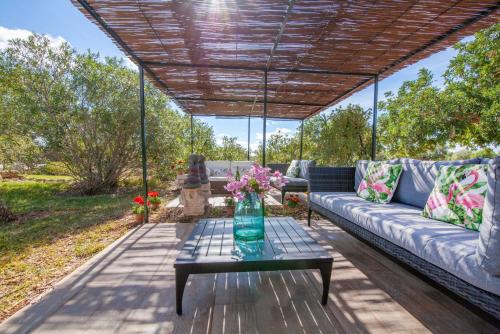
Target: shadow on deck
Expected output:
[130,287]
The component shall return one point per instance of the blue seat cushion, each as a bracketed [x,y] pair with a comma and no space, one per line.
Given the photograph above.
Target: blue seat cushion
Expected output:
[404,226]
[295,181]
[291,181]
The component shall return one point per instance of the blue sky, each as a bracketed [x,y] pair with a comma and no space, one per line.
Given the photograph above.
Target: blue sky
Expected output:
[61,20]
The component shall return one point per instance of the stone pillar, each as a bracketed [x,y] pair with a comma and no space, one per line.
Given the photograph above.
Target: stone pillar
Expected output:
[205,183]
[191,196]
[193,201]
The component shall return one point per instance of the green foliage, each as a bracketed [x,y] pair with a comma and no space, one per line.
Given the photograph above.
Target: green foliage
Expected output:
[421,121]
[53,168]
[412,123]
[473,90]
[83,112]
[463,154]
[344,136]
[15,148]
[231,150]
[338,138]
[280,148]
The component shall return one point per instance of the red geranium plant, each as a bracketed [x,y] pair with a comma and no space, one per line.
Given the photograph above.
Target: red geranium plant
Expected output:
[154,199]
[138,206]
[292,200]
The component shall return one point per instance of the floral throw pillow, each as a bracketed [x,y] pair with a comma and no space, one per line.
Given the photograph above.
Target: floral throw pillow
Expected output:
[293,170]
[458,196]
[380,182]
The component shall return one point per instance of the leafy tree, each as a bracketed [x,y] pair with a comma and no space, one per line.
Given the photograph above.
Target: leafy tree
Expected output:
[20,149]
[463,154]
[84,113]
[280,148]
[231,150]
[422,121]
[411,123]
[473,90]
[338,138]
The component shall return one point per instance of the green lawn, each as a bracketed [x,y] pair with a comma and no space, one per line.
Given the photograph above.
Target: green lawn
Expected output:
[53,235]
[38,177]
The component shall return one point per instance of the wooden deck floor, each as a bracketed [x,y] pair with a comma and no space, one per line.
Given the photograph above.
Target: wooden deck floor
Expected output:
[129,288]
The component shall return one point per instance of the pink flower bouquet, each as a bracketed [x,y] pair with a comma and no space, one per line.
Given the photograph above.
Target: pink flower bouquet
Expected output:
[257,180]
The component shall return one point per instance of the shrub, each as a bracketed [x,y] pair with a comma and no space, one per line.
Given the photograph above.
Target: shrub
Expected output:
[54,168]
[6,215]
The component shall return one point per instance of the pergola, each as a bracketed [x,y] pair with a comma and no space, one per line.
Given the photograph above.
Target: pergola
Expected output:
[276,58]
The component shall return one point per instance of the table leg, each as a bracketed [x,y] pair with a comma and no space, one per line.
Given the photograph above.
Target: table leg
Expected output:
[326,273]
[181,278]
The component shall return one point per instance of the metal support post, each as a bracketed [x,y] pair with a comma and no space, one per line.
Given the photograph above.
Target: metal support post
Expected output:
[143,142]
[264,122]
[374,122]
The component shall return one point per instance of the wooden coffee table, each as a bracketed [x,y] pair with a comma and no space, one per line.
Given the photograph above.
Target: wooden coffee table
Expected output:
[212,249]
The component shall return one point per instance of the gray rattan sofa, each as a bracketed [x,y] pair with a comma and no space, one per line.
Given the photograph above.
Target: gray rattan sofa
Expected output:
[294,184]
[463,261]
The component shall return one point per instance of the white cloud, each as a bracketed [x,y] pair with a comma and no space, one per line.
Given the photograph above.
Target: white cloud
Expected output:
[219,136]
[284,131]
[6,34]
[129,63]
[254,147]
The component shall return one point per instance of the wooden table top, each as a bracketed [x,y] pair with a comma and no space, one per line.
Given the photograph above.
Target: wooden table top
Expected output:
[285,240]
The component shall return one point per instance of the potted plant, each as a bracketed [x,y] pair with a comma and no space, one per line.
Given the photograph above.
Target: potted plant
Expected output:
[179,167]
[154,199]
[138,209]
[230,204]
[248,192]
[292,201]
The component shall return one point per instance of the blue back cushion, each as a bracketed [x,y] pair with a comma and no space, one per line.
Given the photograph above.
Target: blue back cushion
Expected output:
[304,168]
[417,179]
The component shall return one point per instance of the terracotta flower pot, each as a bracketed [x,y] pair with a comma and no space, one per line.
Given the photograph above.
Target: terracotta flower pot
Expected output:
[139,217]
[230,210]
[155,206]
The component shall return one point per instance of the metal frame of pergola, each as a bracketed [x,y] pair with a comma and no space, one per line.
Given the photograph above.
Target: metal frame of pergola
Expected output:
[145,66]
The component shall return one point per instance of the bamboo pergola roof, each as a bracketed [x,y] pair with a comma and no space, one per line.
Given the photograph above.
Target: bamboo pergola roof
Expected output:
[210,56]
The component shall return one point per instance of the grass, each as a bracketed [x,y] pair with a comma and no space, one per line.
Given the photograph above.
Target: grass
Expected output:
[53,235]
[38,177]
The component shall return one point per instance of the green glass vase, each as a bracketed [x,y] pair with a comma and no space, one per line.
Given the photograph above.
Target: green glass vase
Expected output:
[248,224]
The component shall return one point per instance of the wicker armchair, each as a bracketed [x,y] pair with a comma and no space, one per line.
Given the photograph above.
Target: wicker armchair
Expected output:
[289,187]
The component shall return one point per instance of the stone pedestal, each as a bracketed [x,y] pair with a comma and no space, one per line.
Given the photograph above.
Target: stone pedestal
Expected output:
[179,180]
[205,190]
[193,201]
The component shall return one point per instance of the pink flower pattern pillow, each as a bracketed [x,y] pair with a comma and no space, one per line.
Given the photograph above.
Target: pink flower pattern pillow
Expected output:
[458,196]
[380,182]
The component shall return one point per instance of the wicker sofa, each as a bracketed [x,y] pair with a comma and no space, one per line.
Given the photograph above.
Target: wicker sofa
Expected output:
[448,254]
[294,184]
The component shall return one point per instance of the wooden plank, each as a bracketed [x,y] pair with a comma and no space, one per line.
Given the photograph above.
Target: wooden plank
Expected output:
[215,245]
[134,291]
[234,318]
[283,237]
[228,239]
[301,245]
[304,236]
[205,239]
